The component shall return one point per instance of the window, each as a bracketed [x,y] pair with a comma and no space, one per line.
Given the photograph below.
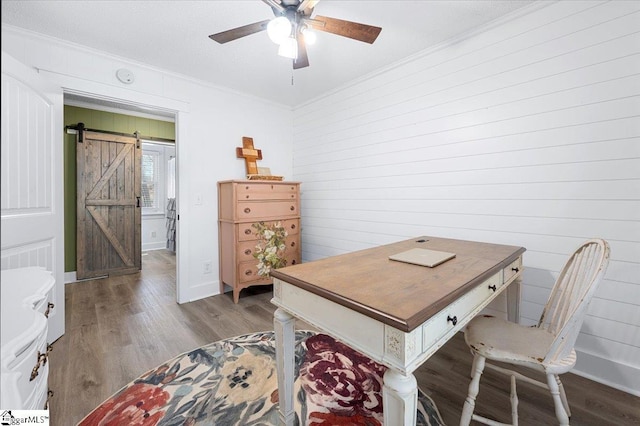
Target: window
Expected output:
[156,177]
[150,173]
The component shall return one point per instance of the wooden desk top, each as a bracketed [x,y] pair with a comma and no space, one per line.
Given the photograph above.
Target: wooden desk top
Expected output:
[396,293]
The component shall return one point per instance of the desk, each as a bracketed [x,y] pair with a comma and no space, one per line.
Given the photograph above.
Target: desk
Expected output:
[396,313]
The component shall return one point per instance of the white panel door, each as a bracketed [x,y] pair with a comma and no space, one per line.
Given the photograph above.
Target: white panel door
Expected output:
[32,190]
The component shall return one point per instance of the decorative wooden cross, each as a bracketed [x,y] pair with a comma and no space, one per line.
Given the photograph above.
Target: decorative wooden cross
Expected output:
[250,155]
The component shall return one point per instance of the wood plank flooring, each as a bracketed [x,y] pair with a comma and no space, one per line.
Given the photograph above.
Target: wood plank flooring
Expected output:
[117,328]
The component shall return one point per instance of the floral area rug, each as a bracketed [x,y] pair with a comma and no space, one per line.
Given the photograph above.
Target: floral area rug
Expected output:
[234,382]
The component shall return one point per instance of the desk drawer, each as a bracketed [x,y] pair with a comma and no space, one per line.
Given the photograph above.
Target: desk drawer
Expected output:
[512,270]
[455,315]
[261,191]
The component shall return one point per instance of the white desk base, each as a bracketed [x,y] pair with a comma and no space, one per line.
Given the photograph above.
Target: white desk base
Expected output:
[403,352]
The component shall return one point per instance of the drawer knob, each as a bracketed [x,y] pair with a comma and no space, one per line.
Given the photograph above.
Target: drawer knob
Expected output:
[292,208]
[50,306]
[248,272]
[247,210]
[293,262]
[293,243]
[247,231]
[247,252]
[293,226]
[492,287]
[454,320]
[516,270]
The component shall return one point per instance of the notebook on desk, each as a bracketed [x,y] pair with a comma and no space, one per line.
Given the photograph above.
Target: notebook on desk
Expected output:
[423,257]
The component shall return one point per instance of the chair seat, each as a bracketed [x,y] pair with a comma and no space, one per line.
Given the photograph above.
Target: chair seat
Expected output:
[500,340]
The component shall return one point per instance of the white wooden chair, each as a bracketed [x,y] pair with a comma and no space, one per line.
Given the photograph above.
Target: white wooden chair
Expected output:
[546,347]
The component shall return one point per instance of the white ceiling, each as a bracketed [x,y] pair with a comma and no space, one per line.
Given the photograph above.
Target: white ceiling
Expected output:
[173,35]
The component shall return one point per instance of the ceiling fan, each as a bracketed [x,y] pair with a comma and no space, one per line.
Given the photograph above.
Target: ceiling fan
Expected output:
[291,29]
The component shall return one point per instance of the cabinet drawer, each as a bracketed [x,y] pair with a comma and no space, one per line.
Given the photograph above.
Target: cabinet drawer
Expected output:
[21,367]
[272,191]
[38,398]
[246,249]
[511,271]
[246,231]
[251,210]
[248,273]
[443,321]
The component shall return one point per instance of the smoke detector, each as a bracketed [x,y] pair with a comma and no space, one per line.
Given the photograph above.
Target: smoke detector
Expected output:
[124,75]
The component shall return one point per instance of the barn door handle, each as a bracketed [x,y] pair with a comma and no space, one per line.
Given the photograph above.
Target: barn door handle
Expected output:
[137,201]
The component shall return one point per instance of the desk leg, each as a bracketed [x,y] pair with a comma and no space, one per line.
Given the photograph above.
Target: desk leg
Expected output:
[399,398]
[513,301]
[284,325]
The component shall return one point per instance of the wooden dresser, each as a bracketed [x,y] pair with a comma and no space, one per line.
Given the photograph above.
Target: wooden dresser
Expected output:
[26,303]
[241,203]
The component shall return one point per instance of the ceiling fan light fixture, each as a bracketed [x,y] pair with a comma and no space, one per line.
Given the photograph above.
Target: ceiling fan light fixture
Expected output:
[310,36]
[279,29]
[288,48]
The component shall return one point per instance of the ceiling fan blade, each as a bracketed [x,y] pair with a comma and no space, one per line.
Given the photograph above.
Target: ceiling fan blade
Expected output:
[277,7]
[302,60]
[236,33]
[307,5]
[354,30]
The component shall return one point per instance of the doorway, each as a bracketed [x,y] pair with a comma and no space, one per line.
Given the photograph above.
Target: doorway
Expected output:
[155,127]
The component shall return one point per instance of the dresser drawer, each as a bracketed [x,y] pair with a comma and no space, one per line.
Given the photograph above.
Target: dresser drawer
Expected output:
[452,316]
[37,400]
[246,249]
[248,273]
[246,231]
[261,191]
[20,362]
[251,210]
[511,271]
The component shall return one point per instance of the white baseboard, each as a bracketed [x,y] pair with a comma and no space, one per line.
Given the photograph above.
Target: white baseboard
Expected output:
[608,372]
[70,277]
[200,291]
[154,246]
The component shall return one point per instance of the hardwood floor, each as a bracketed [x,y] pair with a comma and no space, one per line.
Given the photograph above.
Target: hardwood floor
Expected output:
[117,328]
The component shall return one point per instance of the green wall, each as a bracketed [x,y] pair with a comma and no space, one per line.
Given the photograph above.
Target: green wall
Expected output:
[98,120]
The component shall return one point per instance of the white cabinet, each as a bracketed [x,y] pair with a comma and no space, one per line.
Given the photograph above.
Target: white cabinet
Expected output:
[26,303]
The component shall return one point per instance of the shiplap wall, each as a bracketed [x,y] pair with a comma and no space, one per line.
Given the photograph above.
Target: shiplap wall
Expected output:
[525,133]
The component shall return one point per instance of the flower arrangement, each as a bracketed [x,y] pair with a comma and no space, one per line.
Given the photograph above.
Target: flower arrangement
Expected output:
[270,248]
